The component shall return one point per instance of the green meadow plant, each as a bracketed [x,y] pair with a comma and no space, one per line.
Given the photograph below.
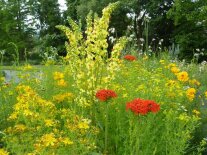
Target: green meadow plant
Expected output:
[16,54]
[87,57]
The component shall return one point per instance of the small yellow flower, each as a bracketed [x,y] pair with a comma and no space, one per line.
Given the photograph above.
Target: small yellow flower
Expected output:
[3,152]
[58,75]
[182,76]
[48,140]
[171,65]
[67,141]
[27,67]
[196,112]
[175,70]
[191,93]
[84,124]
[62,83]
[49,123]
[162,62]
[194,82]
[20,127]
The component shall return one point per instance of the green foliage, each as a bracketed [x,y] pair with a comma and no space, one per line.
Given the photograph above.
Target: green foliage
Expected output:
[190,21]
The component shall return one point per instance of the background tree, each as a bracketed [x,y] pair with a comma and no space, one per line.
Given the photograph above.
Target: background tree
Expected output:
[190,26]
[15,26]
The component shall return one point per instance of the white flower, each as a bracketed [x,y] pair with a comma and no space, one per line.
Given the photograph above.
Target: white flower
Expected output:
[112,30]
[141,39]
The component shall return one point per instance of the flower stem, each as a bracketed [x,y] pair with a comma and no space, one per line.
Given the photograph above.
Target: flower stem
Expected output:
[106,127]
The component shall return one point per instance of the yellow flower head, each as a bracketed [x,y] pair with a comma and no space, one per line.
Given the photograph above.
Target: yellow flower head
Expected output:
[49,123]
[175,70]
[58,75]
[183,76]
[84,124]
[48,140]
[62,83]
[191,93]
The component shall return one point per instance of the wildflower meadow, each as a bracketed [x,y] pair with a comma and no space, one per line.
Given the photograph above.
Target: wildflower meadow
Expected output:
[93,103]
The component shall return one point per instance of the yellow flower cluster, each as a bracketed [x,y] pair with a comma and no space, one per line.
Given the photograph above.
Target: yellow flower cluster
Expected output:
[55,127]
[62,97]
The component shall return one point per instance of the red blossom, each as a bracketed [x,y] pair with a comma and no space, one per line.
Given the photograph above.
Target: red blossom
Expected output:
[130,57]
[105,94]
[140,106]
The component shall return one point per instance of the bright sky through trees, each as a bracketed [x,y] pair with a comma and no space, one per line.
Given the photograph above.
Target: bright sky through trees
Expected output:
[62,5]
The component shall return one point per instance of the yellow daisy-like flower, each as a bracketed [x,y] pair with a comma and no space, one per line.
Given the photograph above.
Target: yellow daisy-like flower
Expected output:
[191,93]
[182,76]
[3,152]
[58,75]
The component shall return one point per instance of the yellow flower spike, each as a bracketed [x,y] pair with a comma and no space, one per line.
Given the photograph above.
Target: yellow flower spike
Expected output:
[182,76]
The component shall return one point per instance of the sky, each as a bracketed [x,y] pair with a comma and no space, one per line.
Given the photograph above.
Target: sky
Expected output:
[62,5]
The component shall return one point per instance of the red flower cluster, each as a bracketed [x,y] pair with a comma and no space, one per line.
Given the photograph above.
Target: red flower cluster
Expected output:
[105,94]
[130,57]
[140,106]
